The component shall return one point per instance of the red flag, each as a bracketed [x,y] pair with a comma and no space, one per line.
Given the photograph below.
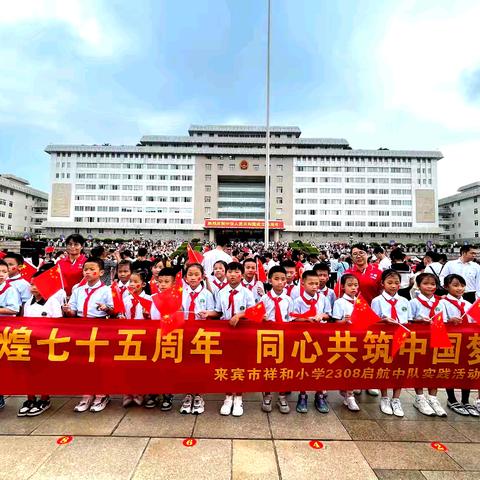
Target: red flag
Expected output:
[49,249]
[338,289]
[2,255]
[118,305]
[363,316]
[438,333]
[49,282]
[144,302]
[262,276]
[153,287]
[474,311]
[193,256]
[178,279]
[399,337]
[169,301]
[256,313]
[83,281]
[26,271]
[171,322]
[312,312]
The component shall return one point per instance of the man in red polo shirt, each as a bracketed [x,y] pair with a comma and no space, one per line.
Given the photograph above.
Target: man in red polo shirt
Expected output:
[72,264]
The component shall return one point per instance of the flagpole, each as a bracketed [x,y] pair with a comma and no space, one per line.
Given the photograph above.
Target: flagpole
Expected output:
[267,135]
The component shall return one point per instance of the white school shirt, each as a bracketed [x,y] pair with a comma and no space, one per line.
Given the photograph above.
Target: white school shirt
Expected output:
[286,290]
[385,263]
[241,301]
[52,308]
[286,306]
[128,302]
[418,310]
[123,288]
[60,296]
[295,293]
[343,306]
[102,295]
[470,271]
[22,286]
[9,298]
[383,309]
[452,311]
[211,257]
[322,304]
[329,295]
[215,288]
[204,300]
[253,286]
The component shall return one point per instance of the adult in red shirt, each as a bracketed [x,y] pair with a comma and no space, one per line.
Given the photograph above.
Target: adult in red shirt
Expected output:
[72,264]
[369,275]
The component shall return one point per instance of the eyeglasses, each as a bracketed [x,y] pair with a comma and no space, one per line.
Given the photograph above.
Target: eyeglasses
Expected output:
[359,254]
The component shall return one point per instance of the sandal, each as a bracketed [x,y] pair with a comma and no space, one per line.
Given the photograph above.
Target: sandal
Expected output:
[471,410]
[457,407]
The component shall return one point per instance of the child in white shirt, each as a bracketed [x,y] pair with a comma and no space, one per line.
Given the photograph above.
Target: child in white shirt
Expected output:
[14,261]
[289,267]
[250,279]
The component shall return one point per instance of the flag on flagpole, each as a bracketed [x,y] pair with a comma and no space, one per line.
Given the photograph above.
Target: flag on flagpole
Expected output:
[256,313]
[170,322]
[144,302]
[193,256]
[474,311]
[153,287]
[438,333]
[26,271]
[2,255]
[363,316]
[261,275]
[118,305]
[49,282]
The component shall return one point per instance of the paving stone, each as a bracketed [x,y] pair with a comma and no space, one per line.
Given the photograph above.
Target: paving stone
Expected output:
[21,456]
[470,429]
[365,430]
[467,455]
[253,424]
[339,460]
[169,459]
[405,455]
[95,458]
[264,464]
[399,475]
[421,431]
[67,422]
[451,475]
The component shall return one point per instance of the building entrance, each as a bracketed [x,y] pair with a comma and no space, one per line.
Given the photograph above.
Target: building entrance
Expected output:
[240,235]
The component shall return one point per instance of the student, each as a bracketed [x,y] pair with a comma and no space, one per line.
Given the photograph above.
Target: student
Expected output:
[406,275]
[291,271]
[231,303]
[14,261]
[92,300]
[157,266]
[455,308]
[278,306]
[219,279]
[323,272]
[310,299]
[269,262]
[124,271]
[342,313]
[37,306]
[10,302]
[391,308]
[424,307]
[250,279]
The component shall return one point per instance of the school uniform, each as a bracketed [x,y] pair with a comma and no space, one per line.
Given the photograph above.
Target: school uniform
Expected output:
[455,307]
[343,306]
[254,286]
[84,300]
[289,288]
[304,302]
[329,295]
[216,285]
[60,296]
[425,308]
[123,287]
[282,312]
[295,292]
[133,308]
[9,298]
[198,300]
[22,286]
[50,308]
[396,307]
[231,301]
[155,314]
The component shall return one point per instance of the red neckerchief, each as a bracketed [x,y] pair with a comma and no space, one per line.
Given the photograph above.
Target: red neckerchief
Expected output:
[393,310]
[231,303]
[433,307]
[191,307]
[219,285]
[278,311]
[289,288]
[456,303]
[325,292]
[312,303]
[87,299]
[6,287]
[249,285]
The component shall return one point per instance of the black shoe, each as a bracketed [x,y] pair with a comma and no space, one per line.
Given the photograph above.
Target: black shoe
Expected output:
[39,407]
[167,402]
[150,401]
[2,402]
[25,408]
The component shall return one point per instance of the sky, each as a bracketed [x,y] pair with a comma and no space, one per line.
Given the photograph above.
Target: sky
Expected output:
[395,74]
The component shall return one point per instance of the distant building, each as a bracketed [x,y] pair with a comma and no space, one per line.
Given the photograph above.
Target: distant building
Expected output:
[212,182]
[459,214]
[23,209]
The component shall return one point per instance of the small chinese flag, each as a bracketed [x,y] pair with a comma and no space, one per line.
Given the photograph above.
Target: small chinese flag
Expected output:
[169,301]
[144,302]
[363,316]
[193,256]
[474,311]
[26,271]
[256,313]
[170,322]
[179,279]
[338,289]
[2,255]
[83,281]
[49,249]
[399,337]
[118,305]
[49,282]
[312,312]
[153,287]
[262,276]
[438,333]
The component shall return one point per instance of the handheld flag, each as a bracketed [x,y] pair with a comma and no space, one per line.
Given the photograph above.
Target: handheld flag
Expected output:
[2,255]
[153,287]
[26,270]
[338,289]
[262,276]
[363,316]
[144,302]
[474,311]
[312,312]
[256,313]
[49,282]
[438,333]
[83,281]
[171,322]
[178,279]
[399,337]
[193,256]
[118,305]
[169,301]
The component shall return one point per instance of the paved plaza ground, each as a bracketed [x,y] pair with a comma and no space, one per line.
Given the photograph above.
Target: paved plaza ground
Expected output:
[146,444]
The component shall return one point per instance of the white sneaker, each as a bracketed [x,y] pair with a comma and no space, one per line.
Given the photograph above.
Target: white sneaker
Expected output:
[397,407]
[351,404]
[477,404]
[357,392]
[422,405]
[437,408]
[100,402]
[84,404]
[227,405]
[127,401]
[237,410]
[138,399]
[373,392]
[186,407]
[385,406]
[198,405]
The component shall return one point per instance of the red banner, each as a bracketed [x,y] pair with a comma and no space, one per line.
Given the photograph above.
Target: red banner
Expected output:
[272,224]
[78,356]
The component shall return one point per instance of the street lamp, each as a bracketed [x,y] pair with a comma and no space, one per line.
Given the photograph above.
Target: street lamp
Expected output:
[267,135]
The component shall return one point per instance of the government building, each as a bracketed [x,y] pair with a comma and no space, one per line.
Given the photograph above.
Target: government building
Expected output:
[212,182]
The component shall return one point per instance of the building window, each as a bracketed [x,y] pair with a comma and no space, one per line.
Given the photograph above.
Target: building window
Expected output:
[208,211]
[279,189]
[475,211]
[208,178]
[220,166]
[207,199]
[279,200]
[279,179]
[280,168]
[256,167]
[208,166]
[231,167]
[208,188]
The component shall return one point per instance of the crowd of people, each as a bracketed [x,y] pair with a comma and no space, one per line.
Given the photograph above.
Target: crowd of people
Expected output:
[226,282]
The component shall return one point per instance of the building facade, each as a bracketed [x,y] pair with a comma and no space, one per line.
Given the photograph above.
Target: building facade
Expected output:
[459,215]
[23,209]
[212,182]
